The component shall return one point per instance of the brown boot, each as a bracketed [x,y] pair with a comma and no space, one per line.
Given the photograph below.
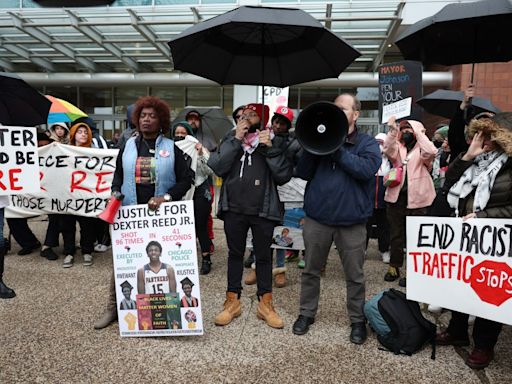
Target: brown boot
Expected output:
[250,279]
[279,277]
[231,310]
[265,311]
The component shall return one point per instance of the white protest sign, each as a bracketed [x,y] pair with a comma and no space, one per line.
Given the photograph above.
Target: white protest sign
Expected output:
[74,180]
[461,265]
[19,169]
[399,109]
[156,273]
[274,97]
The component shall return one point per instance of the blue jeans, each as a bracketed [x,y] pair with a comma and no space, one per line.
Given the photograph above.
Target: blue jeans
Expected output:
[280,256]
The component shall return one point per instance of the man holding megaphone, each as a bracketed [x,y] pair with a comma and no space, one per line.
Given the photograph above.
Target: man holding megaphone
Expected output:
[337,203]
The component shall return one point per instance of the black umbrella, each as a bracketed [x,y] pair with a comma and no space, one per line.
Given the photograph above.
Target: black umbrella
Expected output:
[461,33]
[214,124]
[262,46]
[20,104]
[445,103]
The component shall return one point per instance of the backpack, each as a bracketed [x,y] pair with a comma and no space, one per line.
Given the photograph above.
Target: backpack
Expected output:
[409,330]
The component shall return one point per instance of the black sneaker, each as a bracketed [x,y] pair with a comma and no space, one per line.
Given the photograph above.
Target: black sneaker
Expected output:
[301,325]
[403,282]
[28,250]
[206,267]
[49,254]
[358,333]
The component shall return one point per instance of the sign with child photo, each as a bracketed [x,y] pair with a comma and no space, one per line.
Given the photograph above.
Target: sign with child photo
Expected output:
[461,265]
[156,273]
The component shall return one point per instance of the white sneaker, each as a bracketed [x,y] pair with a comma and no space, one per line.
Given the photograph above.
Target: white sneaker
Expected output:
[68,261]
[87,260]
[101,248]
[385,257]
[434,309]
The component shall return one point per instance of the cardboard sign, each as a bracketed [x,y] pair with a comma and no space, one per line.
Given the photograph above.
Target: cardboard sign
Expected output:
[398,81]
[155,266]
[19,169]
[461,265]
[73,180]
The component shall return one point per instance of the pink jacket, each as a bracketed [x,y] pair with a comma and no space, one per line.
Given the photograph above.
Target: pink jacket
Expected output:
[420,187]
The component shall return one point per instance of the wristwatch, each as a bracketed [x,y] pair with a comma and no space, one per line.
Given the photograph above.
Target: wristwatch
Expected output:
[167,197]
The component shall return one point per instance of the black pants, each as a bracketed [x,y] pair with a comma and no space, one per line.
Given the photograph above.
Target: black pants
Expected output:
[379,221]
[236,226]
[52,232]
[485,332]
[202,208]
[21,232]
[397,214]
[102,232]
[87,233]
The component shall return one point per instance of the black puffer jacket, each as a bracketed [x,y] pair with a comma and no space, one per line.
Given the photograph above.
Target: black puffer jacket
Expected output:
[500,202]
[223,163]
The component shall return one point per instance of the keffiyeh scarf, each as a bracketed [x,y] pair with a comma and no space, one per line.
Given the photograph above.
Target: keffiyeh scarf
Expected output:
[480,175]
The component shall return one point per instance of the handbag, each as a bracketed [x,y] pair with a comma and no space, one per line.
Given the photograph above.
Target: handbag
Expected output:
[395,175]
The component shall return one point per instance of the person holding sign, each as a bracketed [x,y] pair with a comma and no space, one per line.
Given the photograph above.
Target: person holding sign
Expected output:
[80,135]
[408,148]
[202,196]
[150,169]
[479,183]
[155,277]
[252,162]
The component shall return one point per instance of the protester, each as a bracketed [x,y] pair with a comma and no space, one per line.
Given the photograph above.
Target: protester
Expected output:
[408,147]
[23,234]
[59,132]
[202,196]
[130,130]
[5,291]
[251,162]
[80,135]
[237,114]
[193,117]
[378,225]
[166,178]
[479,183]
[281,123]
[338,202]
[443,156]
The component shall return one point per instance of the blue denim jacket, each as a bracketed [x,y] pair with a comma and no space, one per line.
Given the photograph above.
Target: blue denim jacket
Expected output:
[165,176]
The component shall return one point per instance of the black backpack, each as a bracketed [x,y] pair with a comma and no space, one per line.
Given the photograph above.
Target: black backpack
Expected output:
[409,329]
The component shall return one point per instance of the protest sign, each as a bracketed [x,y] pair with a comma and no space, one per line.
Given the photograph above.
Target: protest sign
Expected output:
[155,255]
[461,265]
[399,109]
[19,169]
[73,180]
[398,81]
[274,97]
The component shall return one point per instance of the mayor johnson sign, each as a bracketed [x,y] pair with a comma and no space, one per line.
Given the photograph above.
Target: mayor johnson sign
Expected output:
[461,265]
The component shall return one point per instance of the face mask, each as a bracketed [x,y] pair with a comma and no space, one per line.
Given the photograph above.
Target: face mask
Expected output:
[178,138]
[438,143]
[407,138]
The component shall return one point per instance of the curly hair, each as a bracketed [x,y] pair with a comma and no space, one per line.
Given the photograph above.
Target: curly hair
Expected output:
[153,243]
[498,127]
[161,108]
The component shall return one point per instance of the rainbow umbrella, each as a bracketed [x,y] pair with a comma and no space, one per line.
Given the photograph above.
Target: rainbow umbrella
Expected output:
[62,111]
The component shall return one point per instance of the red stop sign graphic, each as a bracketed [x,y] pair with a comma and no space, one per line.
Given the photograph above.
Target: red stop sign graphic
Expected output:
[492,282]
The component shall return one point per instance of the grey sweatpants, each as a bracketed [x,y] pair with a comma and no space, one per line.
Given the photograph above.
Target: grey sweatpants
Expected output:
[350,242]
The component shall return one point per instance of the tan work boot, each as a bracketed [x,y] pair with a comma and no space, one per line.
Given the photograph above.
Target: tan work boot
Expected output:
[279,277]
[250,279]
[265,311]
[231,310]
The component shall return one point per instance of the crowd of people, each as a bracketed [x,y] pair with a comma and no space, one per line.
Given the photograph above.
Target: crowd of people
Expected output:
[465,169]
